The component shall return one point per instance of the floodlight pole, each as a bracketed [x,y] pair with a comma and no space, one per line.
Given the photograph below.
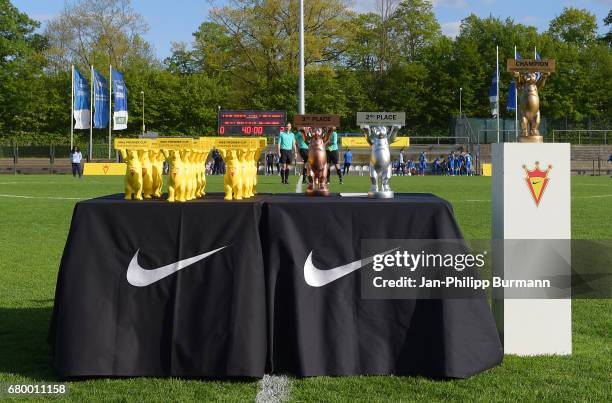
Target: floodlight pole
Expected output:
[460,96]
[91,123]
[110,108]
[301,102]
[497,82]
[143,109]
[72,108]
[516,130]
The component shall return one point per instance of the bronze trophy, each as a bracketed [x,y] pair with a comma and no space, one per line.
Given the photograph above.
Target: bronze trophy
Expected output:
[525,73]
[317,163]
[317,157]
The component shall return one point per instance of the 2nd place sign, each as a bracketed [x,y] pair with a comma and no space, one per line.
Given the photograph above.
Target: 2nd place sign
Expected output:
[381,118]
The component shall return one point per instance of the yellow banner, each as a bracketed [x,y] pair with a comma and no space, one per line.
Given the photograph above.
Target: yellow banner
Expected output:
[487,169]
[177,143]
[361,142]
[132,144]
[206,143]
[104,169]
[232,143]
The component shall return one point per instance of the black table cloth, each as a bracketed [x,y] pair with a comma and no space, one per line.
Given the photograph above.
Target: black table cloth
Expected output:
[244,308]
[207,319]
[331,330]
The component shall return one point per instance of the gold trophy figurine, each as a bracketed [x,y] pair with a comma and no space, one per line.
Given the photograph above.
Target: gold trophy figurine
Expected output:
[157,165]
[529,104]
[232,181]
[147,174]
[525,73]
[133,174]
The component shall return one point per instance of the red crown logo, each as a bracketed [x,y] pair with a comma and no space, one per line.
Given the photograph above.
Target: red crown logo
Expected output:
[537,180]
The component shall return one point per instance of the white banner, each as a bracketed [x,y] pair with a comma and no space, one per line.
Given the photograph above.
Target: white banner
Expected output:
[82,119]
[381,118]
[120,119]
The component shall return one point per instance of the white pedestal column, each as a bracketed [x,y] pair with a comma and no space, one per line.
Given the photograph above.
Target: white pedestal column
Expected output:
[522,211]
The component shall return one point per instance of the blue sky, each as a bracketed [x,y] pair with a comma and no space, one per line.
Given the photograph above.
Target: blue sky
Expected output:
[176,20]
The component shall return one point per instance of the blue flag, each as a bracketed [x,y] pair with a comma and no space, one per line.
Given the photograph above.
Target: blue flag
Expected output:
[511,106]
[120,115]
[538,57]
[80,109]
[101,101]
[493,96]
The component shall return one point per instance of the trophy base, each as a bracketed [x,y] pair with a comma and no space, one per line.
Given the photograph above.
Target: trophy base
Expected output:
[531,139]
[381,195]
[317,193]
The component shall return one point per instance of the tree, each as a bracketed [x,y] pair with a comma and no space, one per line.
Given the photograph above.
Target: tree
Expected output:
[362,49]
[97,32]
[264,35]
[21,65]
[574,26]
[607,38]
[415,27]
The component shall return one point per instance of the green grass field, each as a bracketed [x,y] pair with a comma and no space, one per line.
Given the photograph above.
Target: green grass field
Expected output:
[35,213]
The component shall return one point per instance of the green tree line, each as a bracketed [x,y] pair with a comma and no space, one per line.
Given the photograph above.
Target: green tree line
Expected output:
[245,56]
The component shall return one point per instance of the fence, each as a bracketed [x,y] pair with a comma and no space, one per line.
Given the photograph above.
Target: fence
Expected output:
[52,151]
[581,136]
[557,136]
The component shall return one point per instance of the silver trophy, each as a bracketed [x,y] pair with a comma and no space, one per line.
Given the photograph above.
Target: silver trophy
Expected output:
[380,138]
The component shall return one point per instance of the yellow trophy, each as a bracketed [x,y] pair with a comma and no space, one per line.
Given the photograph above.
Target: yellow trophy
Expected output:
[205,144]
[174,151]
[147,174]
[132,150]
[240,155]
[156,157]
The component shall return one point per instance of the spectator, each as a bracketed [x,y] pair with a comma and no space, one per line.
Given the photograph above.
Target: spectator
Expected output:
[216,162]
[400,167]
[610,158]
[468,164]
[270,163]
[75,159]
[277,163]
[411,168]
[436,166]
[422,163]
[348,160]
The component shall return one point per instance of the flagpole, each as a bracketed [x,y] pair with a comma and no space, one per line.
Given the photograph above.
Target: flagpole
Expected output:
[91,99]
[301,102]
[498,109]
[72,108]
[110,109]
[515,104]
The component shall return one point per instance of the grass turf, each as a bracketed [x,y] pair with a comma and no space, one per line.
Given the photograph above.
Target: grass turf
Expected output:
[34,231]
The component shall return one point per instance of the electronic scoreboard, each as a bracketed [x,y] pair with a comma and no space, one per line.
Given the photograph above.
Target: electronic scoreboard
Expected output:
[251,123]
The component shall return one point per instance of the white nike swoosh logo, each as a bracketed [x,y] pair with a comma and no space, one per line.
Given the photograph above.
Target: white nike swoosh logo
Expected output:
[139,277]
[318,278]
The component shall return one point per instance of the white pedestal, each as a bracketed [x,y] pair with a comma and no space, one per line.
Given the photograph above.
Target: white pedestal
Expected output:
[532,326]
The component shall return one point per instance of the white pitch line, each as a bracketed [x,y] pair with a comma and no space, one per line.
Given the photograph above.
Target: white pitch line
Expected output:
[298,185]
[591,197]
[42,197]
[273,389]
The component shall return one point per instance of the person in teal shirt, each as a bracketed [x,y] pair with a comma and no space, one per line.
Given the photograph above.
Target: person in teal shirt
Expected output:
[303,150]
[286,149]
[332,153]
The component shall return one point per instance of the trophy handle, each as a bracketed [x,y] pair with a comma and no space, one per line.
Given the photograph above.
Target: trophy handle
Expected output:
[366,131]
[393,133]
